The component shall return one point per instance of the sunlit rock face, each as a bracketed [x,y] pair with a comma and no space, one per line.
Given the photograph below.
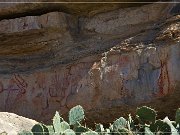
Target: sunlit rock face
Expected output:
[109,63]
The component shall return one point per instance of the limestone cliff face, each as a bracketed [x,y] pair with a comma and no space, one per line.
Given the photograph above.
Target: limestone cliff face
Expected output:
[109,62]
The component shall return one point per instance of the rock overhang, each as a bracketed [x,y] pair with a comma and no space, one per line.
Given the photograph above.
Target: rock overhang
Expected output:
[50,39]
[112,61]
[14,9]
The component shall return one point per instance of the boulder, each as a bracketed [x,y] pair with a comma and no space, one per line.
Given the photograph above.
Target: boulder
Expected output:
[13,124]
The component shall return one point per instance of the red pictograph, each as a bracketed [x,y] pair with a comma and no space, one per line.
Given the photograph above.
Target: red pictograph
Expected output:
[21,83]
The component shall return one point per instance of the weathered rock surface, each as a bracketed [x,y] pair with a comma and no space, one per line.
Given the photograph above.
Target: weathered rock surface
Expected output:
[18,8]
[109,63]
[13,124]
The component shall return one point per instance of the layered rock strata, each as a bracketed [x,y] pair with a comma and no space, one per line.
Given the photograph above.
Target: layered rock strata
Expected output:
[109,63]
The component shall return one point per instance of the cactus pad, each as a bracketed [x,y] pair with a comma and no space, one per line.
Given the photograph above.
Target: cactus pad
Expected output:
[177,117]
[119,123]
[38,129]
[147,131]
[81,129]
[25,133]
[146,114]
[69,132]
[56,122]
[76,114]
[99,128]
[160,126]
[50,129]
[63,126]
[90,133]
[123,131]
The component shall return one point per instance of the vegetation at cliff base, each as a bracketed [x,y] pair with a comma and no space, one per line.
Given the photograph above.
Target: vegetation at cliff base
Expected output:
[145,123]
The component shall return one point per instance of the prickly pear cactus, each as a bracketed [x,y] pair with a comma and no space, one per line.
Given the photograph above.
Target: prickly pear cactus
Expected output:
[81,129]
[146,114]
[130,123]
[119,123]
[174,123]
[76,114]
[50,129]
[90,133]
[160,126]
[76,125]
[147,131]
[69,132]
[57,122]
[38,129]
[99,128]
[173,129]
[123,131]
[46,131]
[107,131]
[25,133]
[177,117]
[63,126]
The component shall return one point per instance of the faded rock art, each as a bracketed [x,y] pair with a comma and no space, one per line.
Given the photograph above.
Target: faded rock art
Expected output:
[118,77]
[109,62]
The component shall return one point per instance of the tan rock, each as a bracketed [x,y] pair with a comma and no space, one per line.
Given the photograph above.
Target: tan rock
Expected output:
[13,124]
